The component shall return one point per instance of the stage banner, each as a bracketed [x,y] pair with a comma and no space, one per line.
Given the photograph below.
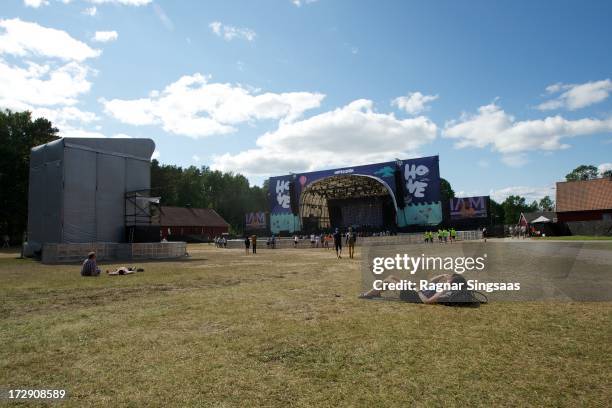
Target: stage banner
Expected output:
[468,207]
[422,188]
[255,220]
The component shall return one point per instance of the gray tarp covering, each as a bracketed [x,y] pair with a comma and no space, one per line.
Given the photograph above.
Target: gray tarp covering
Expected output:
[78,186]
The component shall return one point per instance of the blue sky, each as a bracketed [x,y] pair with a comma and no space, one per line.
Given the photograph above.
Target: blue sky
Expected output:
[512,95]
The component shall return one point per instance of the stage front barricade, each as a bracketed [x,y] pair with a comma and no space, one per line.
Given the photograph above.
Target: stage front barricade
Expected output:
[400,239]
[110,251]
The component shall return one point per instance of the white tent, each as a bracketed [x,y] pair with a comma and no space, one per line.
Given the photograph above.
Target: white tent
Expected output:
[541,218]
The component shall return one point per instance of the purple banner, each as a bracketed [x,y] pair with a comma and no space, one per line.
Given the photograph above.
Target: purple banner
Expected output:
[468,207]
[255,220]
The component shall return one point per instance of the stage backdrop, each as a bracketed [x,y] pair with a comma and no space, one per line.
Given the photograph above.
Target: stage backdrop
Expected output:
[421,188]
[468,207]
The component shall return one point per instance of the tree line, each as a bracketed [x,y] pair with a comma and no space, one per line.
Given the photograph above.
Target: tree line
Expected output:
[229,194]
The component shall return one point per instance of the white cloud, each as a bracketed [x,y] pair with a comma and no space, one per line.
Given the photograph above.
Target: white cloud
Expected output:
[105,36]
[349,135]
[136,3]
[69,131]
[64,115]
[298,3]
[22,38]
[414,103]
[576,96]
[156,154]
[121,136]
[493,127]
[35,3]
[194,107]
[196,158]
[48,78]
[42,84]
[530,193]
[603,167]
[69,120]
[91,11]
[229,32]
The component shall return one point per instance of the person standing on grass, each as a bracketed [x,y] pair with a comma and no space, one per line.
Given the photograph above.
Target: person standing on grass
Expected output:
[351,238]
[6,241]
[453,235]
[90,268]
[254,243]
[338,243]
[295,241]
[247,244]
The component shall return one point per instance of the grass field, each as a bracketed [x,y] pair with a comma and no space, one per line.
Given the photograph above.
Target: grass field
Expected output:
[284,328]
[576,238]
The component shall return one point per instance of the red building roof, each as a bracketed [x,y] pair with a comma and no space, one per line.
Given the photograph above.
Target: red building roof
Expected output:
[189,217]
[587,195]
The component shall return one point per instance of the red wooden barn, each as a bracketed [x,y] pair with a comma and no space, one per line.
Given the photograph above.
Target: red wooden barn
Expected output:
[190,224]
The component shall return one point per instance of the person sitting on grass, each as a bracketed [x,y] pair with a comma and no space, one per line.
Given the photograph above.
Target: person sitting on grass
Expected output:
[90,268]
[421,296]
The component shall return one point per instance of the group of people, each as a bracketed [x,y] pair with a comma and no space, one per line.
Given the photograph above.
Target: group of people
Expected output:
[520,231]
[324,240]
[251,243]
[90,268]
[220,242]
[443,236]
[316,240]
[350,239]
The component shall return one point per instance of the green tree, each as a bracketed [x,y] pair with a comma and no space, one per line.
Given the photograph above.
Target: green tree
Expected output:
[497,211]
[446,191]
[546,204]
[513,206]
[607,173]
[583,172]
[18,134]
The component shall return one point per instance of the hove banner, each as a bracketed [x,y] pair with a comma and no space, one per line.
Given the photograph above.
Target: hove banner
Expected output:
[468,207]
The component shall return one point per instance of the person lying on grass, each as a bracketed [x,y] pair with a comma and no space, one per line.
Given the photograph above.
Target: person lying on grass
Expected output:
[124,271]
[421,296]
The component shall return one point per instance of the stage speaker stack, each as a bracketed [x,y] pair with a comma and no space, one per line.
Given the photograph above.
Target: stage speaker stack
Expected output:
[293,199]
[400,188]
